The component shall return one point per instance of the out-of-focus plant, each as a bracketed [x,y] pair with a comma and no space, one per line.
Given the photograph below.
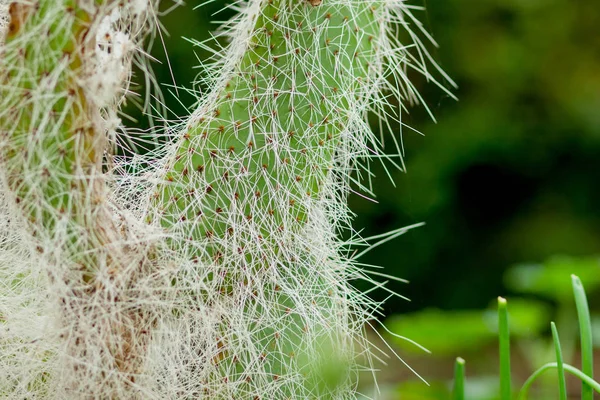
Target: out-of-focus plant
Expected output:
[543,280]
[516,167]
[467,331]
[471,332]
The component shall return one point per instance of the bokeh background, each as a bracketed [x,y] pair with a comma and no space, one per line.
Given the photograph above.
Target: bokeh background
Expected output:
[506,182]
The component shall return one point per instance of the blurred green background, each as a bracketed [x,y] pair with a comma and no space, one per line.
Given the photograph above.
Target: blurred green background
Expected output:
[508,175]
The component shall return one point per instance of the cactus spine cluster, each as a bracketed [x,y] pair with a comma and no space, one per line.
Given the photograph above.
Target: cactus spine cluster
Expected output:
[216,272]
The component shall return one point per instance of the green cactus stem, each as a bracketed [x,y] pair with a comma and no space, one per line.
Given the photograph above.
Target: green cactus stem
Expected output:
[248,191]
[52,144]
[265,148]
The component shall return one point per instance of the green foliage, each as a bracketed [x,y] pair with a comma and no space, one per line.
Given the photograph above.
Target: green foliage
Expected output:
[547,279]
[508,173]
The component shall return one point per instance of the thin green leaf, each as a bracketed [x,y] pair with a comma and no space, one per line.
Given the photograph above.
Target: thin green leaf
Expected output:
[585,330]
[591,383]
[562,385]
[504,344]
[459,380]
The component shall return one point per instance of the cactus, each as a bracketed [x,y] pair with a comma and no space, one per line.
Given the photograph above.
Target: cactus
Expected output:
[3,19]
[217,271]
[56,95]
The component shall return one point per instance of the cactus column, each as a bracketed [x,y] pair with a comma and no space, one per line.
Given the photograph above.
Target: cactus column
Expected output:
[52,144]
[249,188]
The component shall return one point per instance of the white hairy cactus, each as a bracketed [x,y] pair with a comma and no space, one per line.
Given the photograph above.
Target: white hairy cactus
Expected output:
[3,18]
[216,270]
[53,110]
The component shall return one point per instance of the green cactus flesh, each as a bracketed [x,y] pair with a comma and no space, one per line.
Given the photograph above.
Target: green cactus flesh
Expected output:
[276,124]
[51,147]
[247,174]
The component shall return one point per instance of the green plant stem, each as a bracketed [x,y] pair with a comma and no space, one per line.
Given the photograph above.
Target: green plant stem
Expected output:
[504,345]
[559,363]
[585,331]
[591,383]
[458,392]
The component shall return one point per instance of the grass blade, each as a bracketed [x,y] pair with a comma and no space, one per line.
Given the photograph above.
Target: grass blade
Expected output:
[458,393]
[504,343]
[585,330]
[562,385]
[567,368]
